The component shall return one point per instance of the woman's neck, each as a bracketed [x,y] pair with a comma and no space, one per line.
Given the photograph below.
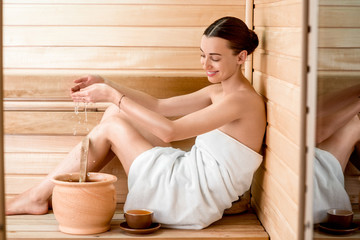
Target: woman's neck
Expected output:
[235,82]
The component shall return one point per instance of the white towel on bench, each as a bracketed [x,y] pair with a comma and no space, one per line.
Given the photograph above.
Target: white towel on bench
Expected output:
[329,191]
[190,190]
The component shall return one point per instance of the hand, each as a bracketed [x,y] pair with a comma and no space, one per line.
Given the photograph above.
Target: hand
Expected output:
[98,92]
[86,81]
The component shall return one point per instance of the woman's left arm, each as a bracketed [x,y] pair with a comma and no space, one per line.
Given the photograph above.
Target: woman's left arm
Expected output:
[191,125]
[206,119]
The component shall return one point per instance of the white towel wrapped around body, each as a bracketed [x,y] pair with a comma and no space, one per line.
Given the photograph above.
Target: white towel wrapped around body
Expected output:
[329,191]
[191,190]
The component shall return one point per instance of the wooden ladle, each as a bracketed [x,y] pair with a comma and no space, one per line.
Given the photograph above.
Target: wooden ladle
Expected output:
[84,159]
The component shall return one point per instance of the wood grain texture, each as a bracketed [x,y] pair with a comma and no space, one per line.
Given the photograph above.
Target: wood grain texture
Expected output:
[50,84]
[110,58]
[277,77]
[133,2]
[238,227]
[339,16]
[115,15]
[102,36]
[277,14]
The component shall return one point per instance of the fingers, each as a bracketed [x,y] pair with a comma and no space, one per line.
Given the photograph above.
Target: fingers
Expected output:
[82,79]
[75,88]
[81,99]
[80,96]
[81,83]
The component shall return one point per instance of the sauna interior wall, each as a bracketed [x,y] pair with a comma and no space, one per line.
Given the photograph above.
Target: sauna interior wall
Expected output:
[338,61]
[146,44]
[277,75]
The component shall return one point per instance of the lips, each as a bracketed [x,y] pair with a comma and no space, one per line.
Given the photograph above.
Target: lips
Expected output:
[210,74]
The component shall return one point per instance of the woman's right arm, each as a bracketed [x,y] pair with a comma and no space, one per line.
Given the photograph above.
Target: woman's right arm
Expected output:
[169,107]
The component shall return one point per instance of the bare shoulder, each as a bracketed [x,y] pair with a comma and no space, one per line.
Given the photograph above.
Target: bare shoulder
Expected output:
[248,98]
[213,89]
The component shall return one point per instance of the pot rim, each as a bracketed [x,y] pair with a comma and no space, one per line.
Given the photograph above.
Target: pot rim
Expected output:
[101,178]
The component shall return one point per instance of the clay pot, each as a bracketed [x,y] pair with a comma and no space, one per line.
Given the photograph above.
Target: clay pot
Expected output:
[84,208]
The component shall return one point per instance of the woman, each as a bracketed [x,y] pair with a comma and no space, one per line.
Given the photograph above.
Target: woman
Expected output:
[185,189]
[338,136]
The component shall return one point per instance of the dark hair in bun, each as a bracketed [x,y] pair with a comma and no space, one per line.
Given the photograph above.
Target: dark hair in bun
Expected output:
[236,32]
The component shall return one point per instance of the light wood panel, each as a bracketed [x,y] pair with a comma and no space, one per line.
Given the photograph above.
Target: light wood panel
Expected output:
[271,215]
[50,84]
[279,91]
[48,123]
[32,163]
[329,81]
[283,148]
[277,14]
[277,76]
[340,2]
[280,40]
[283,175]
[277,194]
[278,66]
[339,16]
[284,121]
[102,36]
[101,58]
[339,37]
[133,2]
[338,59]
[116,15]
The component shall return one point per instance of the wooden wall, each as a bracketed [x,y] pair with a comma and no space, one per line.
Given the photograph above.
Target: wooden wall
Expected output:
[339,45]
[277,75]
[146,44]
[338,62]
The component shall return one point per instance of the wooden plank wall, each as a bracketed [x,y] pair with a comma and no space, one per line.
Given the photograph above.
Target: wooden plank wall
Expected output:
[146,44]
[277,75]
[338,62]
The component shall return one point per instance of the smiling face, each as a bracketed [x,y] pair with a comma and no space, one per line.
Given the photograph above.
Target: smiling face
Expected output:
[218,60]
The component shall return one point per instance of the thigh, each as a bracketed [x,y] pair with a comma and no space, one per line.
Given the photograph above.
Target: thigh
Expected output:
[114,111]
[341,144]
[128,140]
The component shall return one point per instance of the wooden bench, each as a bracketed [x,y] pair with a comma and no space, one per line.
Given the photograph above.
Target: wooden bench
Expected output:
[244,226]
[39,131]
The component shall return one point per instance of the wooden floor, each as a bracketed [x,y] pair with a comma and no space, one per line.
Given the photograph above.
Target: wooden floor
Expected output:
[243,226]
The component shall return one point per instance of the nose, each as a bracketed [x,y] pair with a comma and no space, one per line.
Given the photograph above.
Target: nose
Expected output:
[206,64]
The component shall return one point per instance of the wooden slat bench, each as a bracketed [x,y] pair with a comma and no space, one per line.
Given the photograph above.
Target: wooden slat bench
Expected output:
[243,226]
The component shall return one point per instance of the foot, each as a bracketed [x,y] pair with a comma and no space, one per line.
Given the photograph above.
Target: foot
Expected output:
[26,203]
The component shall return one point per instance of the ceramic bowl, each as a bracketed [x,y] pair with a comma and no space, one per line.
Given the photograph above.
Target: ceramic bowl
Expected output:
[139,218]
[340,218]
[84,208]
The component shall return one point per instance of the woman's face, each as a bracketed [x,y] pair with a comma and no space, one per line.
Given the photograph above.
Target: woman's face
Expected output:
[217,59]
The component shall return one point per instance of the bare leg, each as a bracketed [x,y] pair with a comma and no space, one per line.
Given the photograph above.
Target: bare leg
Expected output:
[341,144]
[337,100]
[115,134]
[335,110]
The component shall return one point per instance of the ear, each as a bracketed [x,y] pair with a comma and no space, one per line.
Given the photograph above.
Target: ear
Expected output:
[241,57]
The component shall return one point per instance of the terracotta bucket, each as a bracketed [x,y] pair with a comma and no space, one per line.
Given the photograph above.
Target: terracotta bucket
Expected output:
[87,207]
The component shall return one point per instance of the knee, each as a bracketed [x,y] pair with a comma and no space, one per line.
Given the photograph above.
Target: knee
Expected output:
[114,124]
[111,111]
